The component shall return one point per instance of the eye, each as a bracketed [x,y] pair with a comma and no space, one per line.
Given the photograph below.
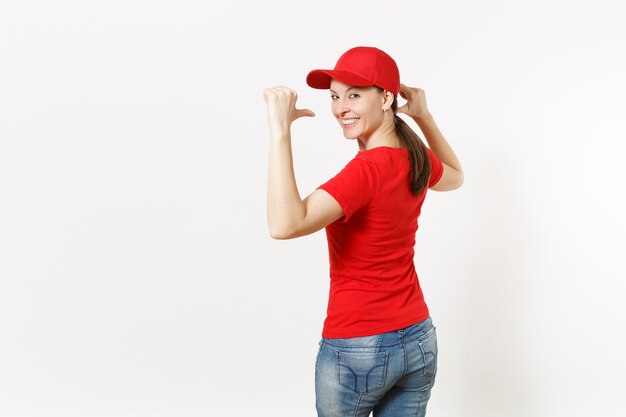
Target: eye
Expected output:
[332,96]
[354,94]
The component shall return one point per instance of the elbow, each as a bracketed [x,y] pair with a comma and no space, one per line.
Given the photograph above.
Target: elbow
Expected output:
[459,182]
[280,234]
[450,183]
[283,229]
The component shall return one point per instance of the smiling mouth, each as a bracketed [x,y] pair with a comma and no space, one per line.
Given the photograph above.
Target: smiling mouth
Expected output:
[349,122]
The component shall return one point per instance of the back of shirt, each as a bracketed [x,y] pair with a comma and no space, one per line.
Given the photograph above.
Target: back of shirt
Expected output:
[374,287]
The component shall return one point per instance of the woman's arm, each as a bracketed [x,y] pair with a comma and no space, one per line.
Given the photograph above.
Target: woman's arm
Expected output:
[417,109]
[288,215]
[284,206]
[452,177]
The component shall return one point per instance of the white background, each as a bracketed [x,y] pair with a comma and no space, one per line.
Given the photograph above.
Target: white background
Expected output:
[137,274]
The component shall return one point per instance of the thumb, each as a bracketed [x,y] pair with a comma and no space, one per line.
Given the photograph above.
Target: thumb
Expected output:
[402,109]
[304,112]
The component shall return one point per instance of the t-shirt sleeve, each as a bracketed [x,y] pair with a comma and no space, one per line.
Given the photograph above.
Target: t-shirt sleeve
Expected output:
[354,186]
[436,168]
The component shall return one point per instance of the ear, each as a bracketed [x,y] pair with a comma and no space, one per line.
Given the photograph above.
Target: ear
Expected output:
[387,99]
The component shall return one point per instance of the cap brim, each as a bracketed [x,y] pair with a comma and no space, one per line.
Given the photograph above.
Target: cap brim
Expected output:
[321,78]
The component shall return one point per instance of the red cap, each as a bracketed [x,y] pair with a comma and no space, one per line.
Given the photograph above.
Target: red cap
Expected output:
[361,66]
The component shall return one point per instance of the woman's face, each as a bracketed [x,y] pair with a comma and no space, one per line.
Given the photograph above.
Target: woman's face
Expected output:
[359,110]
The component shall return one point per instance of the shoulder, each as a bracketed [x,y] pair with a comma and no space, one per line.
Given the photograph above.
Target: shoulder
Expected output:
[378,157]
[363,161]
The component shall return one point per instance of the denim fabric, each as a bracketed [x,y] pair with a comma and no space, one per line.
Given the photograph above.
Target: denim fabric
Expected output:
[390,373]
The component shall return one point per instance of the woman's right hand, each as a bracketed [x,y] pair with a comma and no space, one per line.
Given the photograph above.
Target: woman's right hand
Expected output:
[415,107]
[281,107]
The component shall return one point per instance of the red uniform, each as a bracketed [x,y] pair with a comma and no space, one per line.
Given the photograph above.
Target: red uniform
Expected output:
[373,284]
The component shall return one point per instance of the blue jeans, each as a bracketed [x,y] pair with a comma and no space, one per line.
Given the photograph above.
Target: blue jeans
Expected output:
[390,373]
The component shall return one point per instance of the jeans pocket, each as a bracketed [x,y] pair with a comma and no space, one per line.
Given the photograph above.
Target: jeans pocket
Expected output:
[428,347]
[362,372]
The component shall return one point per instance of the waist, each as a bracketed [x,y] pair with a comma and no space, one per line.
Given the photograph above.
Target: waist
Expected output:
[391,338]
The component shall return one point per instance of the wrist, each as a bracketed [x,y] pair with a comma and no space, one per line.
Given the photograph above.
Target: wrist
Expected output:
[280,133]
[424,119]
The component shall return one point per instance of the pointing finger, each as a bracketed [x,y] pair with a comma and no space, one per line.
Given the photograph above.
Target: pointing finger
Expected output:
[304,112]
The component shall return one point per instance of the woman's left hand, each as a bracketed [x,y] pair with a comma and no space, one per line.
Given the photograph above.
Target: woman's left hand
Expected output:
[281,108]
[416,102]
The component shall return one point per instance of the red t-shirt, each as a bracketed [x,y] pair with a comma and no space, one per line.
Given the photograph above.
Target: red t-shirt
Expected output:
[373,284]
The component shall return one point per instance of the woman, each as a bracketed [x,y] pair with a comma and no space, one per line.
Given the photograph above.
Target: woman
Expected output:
[378,350]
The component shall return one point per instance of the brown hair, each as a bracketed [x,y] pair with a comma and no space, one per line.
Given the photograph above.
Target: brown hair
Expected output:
[420,164]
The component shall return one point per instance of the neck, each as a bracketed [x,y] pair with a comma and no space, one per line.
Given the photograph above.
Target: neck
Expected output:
[385,135]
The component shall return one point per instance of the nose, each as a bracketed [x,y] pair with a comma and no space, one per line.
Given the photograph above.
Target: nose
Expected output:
[341,106]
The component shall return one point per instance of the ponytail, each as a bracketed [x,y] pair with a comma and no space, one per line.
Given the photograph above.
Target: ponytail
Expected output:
[420,164]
